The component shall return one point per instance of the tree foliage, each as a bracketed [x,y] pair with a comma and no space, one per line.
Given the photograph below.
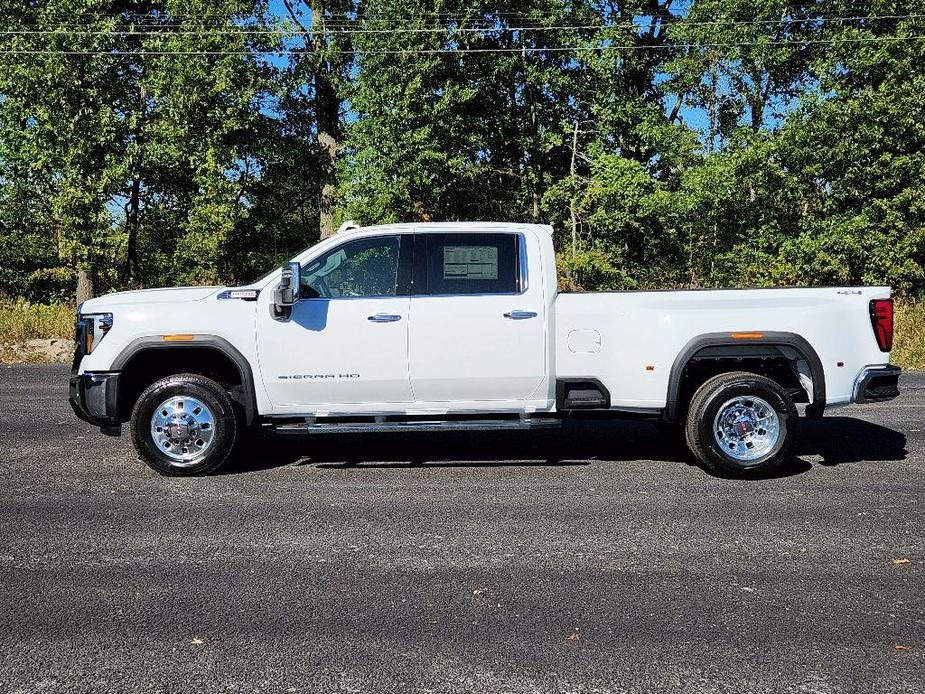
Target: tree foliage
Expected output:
[722,143]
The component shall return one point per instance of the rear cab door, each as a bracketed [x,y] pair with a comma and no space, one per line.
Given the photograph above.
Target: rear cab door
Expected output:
[479,320]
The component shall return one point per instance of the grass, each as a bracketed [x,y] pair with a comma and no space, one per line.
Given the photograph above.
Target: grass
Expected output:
[909,335]
[21,321]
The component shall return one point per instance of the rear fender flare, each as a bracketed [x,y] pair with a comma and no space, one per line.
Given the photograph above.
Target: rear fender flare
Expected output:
[768,339]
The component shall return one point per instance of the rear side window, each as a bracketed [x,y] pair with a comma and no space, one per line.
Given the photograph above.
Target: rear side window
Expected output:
[469,264]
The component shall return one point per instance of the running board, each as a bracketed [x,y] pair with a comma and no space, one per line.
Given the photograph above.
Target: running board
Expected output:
[421,425]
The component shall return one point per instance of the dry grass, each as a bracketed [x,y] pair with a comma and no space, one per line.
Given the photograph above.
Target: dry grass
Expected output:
[21,321]
[909,337]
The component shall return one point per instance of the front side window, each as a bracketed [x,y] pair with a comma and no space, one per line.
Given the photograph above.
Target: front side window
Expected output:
[471,263]
[362,268]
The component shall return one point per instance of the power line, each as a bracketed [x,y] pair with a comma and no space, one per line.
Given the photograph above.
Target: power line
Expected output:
[334,17]
[417,51]
[348,21]
[675,6]
[154,30]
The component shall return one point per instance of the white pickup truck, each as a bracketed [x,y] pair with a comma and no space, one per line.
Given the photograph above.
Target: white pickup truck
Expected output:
[460,326]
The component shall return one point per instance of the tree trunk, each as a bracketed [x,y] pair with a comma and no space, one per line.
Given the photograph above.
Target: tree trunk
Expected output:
[530,166]
[327,108]
[132,212]
[327,115]
[757,109]
[713,107]
[327,111]
[84,285]
[534,164]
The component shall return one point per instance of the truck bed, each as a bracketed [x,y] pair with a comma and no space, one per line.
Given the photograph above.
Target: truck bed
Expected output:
[630,340]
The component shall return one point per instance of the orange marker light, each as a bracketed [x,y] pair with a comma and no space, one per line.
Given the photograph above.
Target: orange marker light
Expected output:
[746,336]
[650,368]
[178,338]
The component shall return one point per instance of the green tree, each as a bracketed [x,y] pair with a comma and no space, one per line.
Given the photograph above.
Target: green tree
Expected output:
[164,141]
[319,79]
[857,147]
[458,110]
[152,148]
[57,124]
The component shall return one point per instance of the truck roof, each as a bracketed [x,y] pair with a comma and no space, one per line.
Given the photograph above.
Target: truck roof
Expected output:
[447,226]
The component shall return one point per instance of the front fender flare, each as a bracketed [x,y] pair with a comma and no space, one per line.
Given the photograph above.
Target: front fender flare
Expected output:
[200,341]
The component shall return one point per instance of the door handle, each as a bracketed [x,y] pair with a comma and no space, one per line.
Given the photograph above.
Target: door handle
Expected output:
[384,318]
[520,315]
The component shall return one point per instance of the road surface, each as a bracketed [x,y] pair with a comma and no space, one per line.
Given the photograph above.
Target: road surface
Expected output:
[593,559]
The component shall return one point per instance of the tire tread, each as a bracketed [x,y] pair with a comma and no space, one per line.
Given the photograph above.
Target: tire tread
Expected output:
[139,429]
[700,448]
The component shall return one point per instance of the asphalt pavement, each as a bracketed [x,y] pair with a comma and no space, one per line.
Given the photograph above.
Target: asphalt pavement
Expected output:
[589,559]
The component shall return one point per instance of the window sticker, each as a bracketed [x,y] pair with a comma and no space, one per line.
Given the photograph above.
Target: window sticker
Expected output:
[470,262]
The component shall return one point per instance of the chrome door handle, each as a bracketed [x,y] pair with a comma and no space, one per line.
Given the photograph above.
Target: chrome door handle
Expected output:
[520,315]
[384,318]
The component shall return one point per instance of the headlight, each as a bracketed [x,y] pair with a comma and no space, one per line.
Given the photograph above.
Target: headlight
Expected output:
[92,327]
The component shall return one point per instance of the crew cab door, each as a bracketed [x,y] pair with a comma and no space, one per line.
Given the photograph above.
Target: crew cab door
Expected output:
[478,319]
[346,341]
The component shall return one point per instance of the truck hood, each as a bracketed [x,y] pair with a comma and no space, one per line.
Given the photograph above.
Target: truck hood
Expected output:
[148,296]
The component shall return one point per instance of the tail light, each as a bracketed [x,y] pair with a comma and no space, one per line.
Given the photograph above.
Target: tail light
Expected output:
[881,318]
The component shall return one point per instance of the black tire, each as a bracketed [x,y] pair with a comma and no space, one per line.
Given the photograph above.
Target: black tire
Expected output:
[224,425]
[706,403]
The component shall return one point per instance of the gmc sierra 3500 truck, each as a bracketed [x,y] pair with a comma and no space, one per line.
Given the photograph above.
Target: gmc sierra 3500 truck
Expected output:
[410,327]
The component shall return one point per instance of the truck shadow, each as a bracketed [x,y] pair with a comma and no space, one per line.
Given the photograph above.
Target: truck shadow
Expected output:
[833,441]
[838,440]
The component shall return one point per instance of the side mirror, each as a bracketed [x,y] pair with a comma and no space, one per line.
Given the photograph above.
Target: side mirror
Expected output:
[287,291]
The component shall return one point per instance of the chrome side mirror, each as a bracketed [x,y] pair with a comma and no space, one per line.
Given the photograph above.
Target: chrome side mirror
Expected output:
[286,293]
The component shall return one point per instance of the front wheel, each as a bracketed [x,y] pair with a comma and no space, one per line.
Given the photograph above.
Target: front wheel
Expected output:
[184,425]
[741,424]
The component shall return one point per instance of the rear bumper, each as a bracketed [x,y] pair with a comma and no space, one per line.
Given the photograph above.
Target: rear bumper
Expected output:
[94,397]
[876,384]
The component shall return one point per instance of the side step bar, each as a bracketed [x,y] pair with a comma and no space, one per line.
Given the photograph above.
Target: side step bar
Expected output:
[309,427]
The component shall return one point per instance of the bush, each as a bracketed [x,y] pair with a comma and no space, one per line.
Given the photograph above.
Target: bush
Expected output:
[588,270]
[21,320]
[52,284]
[909,338]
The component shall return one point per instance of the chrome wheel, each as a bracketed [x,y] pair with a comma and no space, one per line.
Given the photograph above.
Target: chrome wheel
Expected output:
[746,428]
[182,428]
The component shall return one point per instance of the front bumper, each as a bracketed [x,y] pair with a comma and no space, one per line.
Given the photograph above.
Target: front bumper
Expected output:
[94,397]
[876,384]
